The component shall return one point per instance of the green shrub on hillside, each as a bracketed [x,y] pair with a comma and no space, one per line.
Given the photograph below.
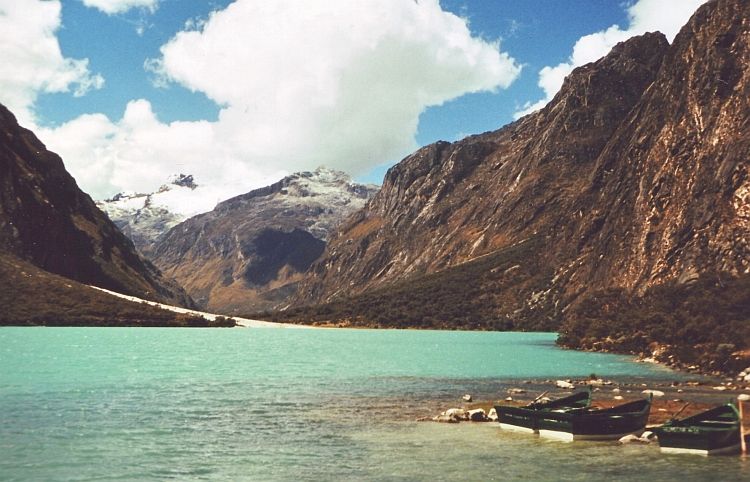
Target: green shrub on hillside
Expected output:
[704,323]
[461,297]
[30,296]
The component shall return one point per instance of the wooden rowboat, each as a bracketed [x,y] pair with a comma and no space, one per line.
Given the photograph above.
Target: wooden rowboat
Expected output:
[713,432]
[591,423]
[526,418]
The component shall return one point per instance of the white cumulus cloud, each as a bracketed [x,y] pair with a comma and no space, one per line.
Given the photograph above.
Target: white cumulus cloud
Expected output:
[111,7]
[300,84]
[32,60]
[665,16]
[139,153]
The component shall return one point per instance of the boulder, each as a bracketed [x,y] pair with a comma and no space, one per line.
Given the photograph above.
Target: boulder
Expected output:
[565,385]
[492,416]
[629,439]
[646,438]
[477,415]
[467,398]
[445,419]
[654,393]
[516,390]
[743,397]
[453,415]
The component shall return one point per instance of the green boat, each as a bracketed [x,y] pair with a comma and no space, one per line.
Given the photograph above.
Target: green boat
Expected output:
[591,423]
[713,432]
[525,419]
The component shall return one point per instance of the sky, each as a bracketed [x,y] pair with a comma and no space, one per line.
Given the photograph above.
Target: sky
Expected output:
[241,93]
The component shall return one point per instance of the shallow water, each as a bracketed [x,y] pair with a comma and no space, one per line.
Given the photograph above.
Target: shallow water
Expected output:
[266,404]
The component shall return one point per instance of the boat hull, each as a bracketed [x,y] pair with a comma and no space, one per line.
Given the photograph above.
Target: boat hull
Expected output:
[518,419]
[714,432]
[526,419]
[591,426]
[692,440]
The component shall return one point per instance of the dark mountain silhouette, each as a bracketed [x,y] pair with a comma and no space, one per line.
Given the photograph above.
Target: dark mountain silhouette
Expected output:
[47,221]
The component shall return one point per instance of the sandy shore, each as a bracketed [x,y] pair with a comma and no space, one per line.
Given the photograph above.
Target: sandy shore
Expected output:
[243,322]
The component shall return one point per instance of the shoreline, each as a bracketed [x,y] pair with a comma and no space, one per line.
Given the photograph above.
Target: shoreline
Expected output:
[669,397]
[253,323]
[241,322]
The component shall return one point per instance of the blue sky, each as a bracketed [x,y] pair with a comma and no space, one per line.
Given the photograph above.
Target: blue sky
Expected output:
[241,93]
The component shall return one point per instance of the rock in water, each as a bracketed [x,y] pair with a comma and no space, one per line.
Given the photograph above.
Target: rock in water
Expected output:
[476,415]
[654,393]
[492,415]
[453,415]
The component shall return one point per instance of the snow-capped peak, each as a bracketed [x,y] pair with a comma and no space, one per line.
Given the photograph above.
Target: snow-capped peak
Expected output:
[146,217]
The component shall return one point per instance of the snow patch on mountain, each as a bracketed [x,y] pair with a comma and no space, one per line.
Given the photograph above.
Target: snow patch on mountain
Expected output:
[329,196]
[146,218]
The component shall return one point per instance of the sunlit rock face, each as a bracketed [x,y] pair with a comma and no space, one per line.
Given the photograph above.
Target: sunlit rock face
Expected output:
[635,174]
[249,253]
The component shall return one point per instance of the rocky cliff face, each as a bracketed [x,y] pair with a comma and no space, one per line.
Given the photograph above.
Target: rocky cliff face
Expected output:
[249,253]
[633,175]
[675,175]
[47,220]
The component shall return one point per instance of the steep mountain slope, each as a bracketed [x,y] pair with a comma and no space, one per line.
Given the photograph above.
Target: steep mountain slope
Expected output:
[46,219]
[674,179]
[635,177]
[449,203]
[30,296]
[249,252]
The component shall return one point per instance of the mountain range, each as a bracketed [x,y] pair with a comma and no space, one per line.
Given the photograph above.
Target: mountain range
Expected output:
[634,174]
[249,253]
[630,185]
[618,215]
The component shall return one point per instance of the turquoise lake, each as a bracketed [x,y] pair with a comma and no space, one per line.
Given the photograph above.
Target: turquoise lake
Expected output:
[135,404]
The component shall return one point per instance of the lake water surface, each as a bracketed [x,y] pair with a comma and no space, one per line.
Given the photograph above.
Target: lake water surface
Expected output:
[132,404]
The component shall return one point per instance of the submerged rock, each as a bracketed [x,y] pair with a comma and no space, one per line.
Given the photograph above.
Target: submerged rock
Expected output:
[477,415]
[453,415]
[646,438]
